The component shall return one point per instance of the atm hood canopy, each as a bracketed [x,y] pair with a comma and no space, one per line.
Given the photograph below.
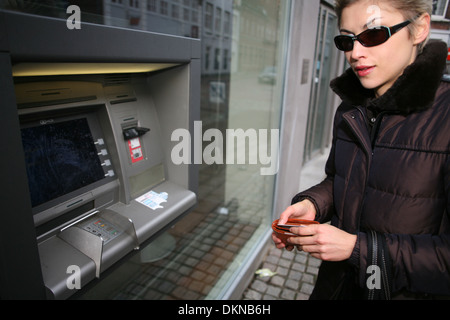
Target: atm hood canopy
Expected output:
[29,69]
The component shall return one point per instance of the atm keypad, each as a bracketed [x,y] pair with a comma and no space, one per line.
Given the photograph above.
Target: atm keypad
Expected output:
[102,228]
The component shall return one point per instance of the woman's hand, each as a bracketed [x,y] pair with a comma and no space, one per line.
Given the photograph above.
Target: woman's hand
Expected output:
[324,241]
[301,210]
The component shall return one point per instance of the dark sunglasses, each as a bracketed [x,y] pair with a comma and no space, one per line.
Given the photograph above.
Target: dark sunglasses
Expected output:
[369,38]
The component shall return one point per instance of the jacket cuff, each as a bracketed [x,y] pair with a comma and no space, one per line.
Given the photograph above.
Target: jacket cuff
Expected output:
[300,197]
[355,258]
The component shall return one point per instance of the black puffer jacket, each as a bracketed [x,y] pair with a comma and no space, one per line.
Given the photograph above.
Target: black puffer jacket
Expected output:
[388,181]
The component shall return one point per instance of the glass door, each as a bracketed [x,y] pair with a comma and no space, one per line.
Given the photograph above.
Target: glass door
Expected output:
[326,66]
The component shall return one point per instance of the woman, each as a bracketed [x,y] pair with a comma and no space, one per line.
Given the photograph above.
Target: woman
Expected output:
[388,173]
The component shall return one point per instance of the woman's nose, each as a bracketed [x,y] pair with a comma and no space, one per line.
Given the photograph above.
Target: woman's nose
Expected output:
[359,51]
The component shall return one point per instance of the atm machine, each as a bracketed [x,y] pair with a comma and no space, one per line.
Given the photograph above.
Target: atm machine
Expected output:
[91,122]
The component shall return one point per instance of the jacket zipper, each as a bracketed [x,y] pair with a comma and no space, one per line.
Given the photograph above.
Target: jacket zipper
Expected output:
[369,153]
[375,129]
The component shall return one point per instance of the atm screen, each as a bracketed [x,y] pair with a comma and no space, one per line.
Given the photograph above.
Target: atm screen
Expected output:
[60,158]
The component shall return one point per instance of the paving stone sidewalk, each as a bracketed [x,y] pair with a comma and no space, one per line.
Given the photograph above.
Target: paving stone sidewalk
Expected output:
[294,279]
[296,272]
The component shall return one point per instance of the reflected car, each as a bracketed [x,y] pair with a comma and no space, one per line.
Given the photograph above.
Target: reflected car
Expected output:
[268,75]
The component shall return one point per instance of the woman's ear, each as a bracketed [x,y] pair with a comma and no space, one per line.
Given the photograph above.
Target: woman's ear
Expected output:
[422,28]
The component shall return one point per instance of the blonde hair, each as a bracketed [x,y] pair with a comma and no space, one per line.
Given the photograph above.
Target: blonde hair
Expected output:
[410,9]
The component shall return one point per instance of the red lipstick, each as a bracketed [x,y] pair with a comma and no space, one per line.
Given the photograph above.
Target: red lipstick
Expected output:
[363,71]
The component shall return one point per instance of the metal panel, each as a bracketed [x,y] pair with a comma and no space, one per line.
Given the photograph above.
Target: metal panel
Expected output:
[20,271]
[52,41]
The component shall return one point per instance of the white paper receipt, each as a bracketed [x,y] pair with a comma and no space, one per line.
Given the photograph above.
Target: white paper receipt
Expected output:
[153,199]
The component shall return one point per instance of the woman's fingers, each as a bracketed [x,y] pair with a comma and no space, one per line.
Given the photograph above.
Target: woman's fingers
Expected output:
[324,241]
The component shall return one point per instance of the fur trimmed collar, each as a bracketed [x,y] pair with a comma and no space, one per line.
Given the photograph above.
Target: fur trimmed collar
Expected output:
[413,91]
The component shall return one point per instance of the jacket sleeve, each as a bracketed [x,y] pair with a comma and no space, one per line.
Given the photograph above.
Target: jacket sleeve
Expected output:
[321,196]
[419,263]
